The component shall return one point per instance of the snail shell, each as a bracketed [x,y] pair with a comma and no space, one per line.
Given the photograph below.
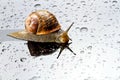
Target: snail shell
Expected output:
[42,26]
[41,22]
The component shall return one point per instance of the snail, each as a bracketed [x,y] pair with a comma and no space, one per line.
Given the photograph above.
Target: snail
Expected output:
[42,26]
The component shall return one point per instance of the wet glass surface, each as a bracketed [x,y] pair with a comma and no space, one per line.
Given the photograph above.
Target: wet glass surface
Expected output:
[95,40]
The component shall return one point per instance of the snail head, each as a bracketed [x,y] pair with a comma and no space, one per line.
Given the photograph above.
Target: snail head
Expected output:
[63,37]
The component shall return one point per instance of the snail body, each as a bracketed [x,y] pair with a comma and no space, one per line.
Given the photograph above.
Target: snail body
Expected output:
[42,26]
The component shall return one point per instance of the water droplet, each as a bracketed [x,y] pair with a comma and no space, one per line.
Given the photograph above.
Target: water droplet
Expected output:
[68,3]
[114,1]
[89,47]
[15,79]
[24,69]
[85,16]
[83,29]
[35,78]
[106,2]
[37,5]
[82,52]
[77,28]
[118,42]
[83,2]
[4,7]
[3,50]
[52,66]
[54,6]
[23,59]
[41,58]
[89,52]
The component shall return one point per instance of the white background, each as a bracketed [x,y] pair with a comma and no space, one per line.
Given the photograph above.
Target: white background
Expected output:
[95,39]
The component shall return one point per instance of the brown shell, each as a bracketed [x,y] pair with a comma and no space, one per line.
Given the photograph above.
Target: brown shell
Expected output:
[41,22]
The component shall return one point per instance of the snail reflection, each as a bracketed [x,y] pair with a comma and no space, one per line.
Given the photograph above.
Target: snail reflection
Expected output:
[39,48]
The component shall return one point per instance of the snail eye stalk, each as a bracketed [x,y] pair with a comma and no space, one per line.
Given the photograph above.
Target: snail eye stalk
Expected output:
[69,27]
[63,46]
